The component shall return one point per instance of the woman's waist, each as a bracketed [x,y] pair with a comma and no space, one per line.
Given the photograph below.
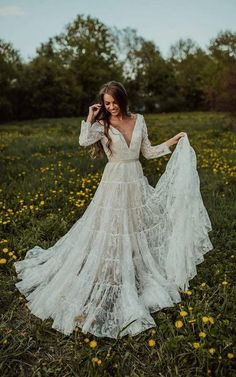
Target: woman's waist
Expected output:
[125,160]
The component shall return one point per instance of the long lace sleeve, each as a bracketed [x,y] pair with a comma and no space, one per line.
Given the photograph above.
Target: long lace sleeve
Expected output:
[90,133]
[152,151]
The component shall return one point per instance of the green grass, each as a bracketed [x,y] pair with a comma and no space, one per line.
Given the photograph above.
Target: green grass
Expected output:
[47,180]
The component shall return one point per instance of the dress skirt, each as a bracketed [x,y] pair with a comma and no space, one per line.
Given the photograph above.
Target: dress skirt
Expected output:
[130,254]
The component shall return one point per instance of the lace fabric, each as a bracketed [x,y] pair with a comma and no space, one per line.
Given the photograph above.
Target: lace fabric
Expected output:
[135,247]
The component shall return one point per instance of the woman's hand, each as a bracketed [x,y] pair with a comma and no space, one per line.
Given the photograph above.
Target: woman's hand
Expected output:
[93,111]
[175,139]
[178,136]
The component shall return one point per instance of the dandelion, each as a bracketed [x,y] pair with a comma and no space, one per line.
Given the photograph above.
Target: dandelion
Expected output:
[183,313]
[205,319]
[202,334]
[93,344]
[95,359]
[211,320]
[99,362]
[42,203]
[188,292]
[196,345]
[151,342]
[179,324]
[230,355]
[5,250]
[224,283]
[203,285]
[86,340]
[3,261]
[211,350]
[192,321]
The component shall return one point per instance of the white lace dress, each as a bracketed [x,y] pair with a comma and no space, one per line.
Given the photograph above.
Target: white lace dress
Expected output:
[135,247]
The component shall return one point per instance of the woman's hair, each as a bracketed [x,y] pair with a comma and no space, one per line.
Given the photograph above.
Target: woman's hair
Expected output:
[118,92]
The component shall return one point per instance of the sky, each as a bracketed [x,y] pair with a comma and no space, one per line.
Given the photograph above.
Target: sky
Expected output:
[28,23]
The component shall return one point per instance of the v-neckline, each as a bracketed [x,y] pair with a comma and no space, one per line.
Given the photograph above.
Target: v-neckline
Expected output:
[135,124]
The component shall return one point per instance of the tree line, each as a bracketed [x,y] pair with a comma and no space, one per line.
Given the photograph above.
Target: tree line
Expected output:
[64,76]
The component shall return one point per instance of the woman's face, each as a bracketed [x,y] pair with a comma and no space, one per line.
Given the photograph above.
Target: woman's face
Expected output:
[111,105]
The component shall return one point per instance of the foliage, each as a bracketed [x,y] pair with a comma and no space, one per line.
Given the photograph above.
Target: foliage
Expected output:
[64,77]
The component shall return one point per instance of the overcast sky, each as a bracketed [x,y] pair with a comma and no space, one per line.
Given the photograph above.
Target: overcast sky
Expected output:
[27,23]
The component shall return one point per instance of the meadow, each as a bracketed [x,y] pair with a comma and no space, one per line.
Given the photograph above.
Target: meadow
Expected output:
[47,180]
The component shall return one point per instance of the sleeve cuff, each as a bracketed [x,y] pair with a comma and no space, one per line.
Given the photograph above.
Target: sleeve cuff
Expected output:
[166,148]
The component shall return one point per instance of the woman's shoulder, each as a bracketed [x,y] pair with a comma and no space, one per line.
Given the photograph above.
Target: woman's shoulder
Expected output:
[136,115]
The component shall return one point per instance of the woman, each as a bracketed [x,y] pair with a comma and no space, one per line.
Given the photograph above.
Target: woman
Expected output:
[135,246]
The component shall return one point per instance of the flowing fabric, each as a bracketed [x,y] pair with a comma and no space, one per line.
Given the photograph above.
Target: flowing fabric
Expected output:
[134,248]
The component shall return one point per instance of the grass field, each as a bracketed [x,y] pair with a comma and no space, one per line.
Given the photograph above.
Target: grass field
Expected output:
[47,180]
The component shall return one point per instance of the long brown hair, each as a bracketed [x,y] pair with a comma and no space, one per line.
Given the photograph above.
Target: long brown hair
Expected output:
[118,92]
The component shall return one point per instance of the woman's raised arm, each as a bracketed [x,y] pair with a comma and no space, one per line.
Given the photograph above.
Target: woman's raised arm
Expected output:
[90,133]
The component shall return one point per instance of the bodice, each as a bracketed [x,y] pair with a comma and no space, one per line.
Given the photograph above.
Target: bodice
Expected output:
[120,150]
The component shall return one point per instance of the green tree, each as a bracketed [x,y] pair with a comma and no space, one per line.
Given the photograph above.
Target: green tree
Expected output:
[10,66]
[188,62]
[87,49]
[221,74]
[64,77]
[148,77]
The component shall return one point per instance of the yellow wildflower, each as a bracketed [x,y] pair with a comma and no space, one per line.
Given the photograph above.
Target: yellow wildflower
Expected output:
[95,359]
[211,320]
[99,362]
[202,334]
[192,320]
[211,350]
[224,282]
[42,203]
[205,319]
[3,261]
[86,340]
[5,250]
[188,292]
[93,344]
[230,355]
[10,254]
[196,345]
[179,324]
[152,342]
[183,313]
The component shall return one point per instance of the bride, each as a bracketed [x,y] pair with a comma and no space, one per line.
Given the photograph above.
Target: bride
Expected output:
[136,246]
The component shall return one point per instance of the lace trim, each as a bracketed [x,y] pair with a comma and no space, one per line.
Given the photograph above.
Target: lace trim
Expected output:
[123,234]
[124,182]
